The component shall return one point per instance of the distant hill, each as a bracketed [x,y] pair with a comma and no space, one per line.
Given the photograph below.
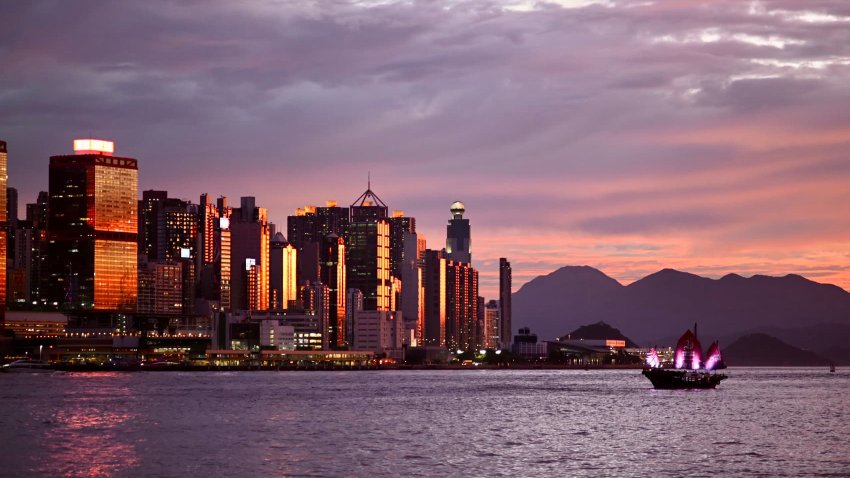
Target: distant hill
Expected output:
[764,350]
[659,307]
[598,331]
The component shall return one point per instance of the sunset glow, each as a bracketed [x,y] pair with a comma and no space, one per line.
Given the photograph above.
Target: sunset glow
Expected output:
[711,137]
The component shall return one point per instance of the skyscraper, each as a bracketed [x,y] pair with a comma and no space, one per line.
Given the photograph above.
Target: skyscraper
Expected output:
[505,335]
[434,279]
[168,227]
[11,224]
[412,285]
[399,225]
[92,229]
[333,271]
[306,231]
[458,246]
[4,238]
[461,306]
[283,282]
[368,246]
[249,246]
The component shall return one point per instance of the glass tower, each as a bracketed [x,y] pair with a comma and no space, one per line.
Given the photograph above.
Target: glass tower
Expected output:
[92,229]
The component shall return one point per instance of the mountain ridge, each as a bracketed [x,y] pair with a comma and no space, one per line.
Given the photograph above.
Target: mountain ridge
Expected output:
[665,303]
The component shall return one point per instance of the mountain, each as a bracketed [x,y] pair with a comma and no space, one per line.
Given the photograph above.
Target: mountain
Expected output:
[762,350]
[659,307]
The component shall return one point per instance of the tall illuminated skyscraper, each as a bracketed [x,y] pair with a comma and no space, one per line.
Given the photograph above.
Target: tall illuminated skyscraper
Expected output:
[283,264]
[505,334]
[306,232]
[368,246]
[461,306]
[458,242]
[4,238]
[92,229]
[332,262]
[434,279]
[399,225]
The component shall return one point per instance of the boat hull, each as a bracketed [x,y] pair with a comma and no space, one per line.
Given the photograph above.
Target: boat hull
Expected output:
[666,379]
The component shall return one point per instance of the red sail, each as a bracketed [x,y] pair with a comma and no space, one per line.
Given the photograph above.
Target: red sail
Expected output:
[688,352]
[713,359]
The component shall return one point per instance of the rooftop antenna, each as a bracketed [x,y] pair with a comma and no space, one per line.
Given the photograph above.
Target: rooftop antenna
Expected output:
[369,180]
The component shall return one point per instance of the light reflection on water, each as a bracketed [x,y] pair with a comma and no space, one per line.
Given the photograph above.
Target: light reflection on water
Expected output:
[773,422]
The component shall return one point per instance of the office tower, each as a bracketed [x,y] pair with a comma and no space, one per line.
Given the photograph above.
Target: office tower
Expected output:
[461,305]
[208,217]
[222,267]
[505,334]
[492,325]
[20,266]
[37,263]
[3,234]
[368,207]
[11,224]
[92,229]
[399,225]
[333,272]
[434,278]
[458,247]
[353,304]
[283,265]
[312,223]
[149,207]
[412,284]
[249,248]
[213,253]
[306,231]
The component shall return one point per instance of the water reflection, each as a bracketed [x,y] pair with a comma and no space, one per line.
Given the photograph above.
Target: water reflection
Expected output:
[88,435]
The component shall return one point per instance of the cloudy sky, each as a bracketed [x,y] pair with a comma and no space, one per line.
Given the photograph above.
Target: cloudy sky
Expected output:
[708,136]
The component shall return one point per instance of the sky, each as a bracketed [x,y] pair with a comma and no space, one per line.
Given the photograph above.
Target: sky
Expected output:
[706,136]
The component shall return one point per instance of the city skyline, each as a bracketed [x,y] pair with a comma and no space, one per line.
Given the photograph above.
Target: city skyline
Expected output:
[708,137]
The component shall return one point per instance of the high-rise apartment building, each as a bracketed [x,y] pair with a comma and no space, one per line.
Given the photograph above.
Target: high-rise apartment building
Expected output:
[283,281]
[413,286]
[93,229]
[492,337]
[399,226]
[307,230]
[458,239]
[333,275]
[434,279]
[168,227]
[249,247]
[4,238]
[461,306]
[505,334]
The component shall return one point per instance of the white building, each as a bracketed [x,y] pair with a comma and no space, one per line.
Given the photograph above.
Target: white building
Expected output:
[379,331]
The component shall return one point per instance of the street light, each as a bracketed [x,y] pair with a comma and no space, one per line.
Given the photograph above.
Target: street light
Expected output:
[39,351]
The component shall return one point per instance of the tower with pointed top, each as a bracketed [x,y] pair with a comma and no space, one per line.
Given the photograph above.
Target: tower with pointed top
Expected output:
[368,250]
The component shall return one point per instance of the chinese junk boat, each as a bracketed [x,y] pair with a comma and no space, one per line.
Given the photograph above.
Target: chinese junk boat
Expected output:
[690,371]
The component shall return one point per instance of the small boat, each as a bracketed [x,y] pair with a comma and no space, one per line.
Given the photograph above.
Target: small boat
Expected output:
[27,366]
[671,379]
[690,370]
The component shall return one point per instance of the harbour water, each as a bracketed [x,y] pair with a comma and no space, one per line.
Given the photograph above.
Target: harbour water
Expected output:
[759,422]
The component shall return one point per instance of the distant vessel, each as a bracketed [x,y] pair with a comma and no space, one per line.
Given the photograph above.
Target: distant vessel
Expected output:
[27,366]
[832,367]
[690,370]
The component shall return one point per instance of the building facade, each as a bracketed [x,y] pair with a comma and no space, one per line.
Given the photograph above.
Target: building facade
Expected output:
[92,229]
